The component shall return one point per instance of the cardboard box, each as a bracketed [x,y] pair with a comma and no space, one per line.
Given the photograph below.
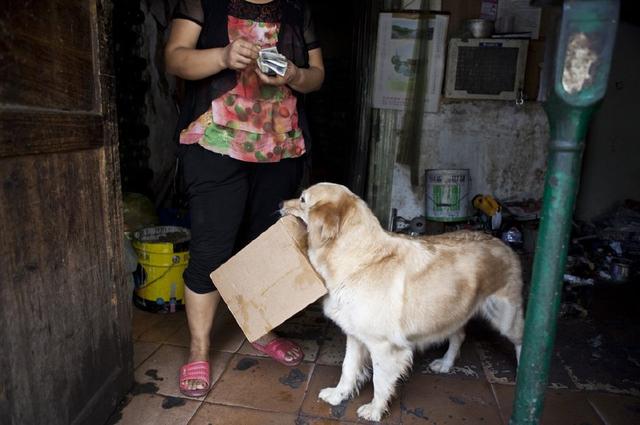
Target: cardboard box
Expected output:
[269,280]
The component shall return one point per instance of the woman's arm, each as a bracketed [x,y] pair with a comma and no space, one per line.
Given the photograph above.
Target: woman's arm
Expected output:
[309,79]
[183,60]
[303,80]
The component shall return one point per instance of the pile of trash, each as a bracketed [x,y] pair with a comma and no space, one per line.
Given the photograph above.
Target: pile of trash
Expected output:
[606,249]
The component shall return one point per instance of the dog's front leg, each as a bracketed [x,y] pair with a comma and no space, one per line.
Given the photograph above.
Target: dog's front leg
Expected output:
[354,372]
[389,363]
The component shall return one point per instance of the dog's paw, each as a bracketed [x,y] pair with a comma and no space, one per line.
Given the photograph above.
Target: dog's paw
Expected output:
[370,412]
[332,396]
[439,366]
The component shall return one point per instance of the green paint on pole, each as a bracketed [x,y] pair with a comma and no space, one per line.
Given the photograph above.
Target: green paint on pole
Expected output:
[582,62]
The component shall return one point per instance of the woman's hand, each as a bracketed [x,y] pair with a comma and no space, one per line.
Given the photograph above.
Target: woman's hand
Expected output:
[289,77]
[239,54]
[302,80]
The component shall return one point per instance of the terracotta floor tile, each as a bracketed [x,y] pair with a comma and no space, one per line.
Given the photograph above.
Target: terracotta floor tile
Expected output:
[215,414]
[497,362]
[260,383]
[448,400]
[307,420]
[328,376]
[163,367]
[164,328]
[150,409]
[143,321]
[497,354]
[226,335]
[498,359]
[468,365]
[248,350]
[616,409]
[561,407]
[181,337]
[332,348]
[309,346]
[599,355]
[142,350]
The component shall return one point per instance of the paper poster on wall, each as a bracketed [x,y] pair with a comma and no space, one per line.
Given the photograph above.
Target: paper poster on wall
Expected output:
[489,9]
[396,59]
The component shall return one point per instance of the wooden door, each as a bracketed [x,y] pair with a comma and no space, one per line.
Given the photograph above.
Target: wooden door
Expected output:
[65,312]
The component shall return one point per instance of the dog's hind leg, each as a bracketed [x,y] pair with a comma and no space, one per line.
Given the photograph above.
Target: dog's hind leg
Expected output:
[389,363]
[444,364]
[506,316]
[354,373]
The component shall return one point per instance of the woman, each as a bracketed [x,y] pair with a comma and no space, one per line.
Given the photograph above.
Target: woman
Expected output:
[243,137]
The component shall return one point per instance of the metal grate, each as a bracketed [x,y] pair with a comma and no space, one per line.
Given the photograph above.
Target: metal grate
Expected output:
[486,69]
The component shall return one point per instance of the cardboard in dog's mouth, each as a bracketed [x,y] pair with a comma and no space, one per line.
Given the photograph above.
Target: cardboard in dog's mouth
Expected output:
[284,213]
[262,291]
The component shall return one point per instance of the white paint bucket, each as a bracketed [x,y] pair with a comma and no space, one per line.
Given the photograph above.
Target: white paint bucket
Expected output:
[447,197]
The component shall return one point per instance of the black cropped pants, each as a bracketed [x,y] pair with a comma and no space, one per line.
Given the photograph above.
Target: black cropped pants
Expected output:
[231,202]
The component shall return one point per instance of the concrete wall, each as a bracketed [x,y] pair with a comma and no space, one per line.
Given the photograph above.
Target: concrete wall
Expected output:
[503,145]
[611,166]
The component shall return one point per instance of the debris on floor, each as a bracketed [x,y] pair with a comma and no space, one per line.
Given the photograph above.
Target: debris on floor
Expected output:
[607,249]
[594,377]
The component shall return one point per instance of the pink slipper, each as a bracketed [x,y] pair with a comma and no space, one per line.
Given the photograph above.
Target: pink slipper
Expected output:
[277,350]
[194,371]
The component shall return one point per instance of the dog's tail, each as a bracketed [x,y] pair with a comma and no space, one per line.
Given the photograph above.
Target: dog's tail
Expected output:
[504,308]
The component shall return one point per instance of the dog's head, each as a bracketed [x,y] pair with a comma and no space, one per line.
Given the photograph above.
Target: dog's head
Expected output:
[325,208]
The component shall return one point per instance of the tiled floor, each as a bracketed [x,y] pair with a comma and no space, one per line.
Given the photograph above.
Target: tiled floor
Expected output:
[595,377]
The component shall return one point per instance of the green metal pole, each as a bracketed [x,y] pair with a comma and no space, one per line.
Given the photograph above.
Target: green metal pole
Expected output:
[582,61]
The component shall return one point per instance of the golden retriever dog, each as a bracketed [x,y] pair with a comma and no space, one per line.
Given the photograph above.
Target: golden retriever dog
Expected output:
[392,294]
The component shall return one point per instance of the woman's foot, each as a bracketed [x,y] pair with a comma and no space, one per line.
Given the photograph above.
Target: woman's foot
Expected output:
[195,377]
[280,349]
[197,356]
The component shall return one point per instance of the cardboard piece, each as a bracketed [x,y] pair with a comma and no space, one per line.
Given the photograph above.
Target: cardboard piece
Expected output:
[269,280]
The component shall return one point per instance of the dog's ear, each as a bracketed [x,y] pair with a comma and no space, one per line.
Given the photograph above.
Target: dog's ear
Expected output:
[324,223]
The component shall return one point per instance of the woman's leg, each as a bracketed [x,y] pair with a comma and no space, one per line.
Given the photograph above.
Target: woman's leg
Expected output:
[217,187]
[270,184]
[201,309]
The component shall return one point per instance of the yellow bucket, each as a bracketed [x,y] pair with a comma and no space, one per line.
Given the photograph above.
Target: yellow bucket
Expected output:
[163,255]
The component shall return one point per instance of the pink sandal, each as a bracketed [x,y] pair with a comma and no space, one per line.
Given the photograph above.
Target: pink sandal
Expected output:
[278,349]
[194,371]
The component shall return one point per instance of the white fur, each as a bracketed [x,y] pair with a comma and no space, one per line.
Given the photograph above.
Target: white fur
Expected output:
[392,294]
